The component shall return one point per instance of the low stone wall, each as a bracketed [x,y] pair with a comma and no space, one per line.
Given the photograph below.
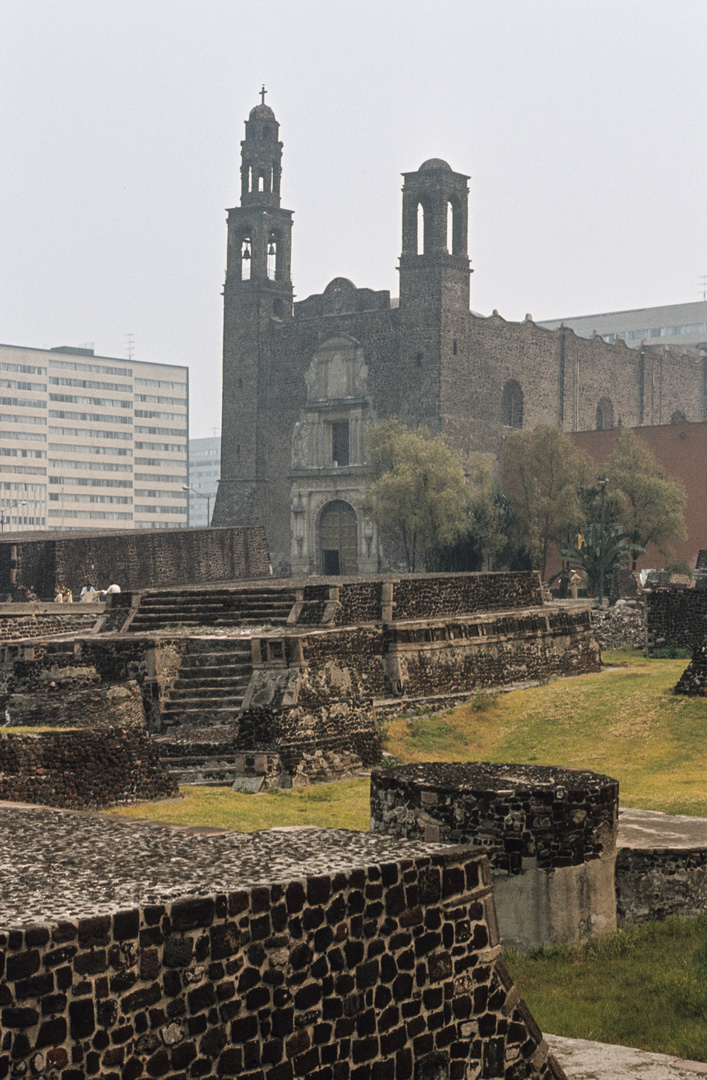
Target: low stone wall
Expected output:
[549,833]
[469,654]
[624,623]
[675,618]
[655,883]
[135,559]
[428,595]
[88,767]
[42,624]
[318,954]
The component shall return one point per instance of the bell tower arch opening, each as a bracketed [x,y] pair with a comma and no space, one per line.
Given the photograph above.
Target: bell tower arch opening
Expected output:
[338,538]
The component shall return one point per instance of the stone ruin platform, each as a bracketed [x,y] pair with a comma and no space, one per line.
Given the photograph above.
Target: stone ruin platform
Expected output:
[130,949]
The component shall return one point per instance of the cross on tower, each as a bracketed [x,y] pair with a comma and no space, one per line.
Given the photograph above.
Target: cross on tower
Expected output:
[263,92]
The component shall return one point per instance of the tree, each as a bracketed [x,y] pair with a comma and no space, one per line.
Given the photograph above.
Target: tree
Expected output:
[483,527]
[541,473]
[419,496]
[591,555]
[651,509]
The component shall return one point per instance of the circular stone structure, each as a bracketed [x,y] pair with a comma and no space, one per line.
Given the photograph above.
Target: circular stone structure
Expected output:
[549,834]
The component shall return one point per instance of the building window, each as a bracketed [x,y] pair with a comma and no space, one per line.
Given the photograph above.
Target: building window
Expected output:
[604,415]
[512,404]
[340,442]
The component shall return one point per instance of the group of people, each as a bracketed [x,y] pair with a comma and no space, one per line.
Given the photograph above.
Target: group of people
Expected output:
[63,595]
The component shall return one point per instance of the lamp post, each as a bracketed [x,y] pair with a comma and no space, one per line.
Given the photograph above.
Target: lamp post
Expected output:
[602,481]
[185,487]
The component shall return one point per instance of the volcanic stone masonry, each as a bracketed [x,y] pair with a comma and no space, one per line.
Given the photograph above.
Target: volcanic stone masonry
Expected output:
[267,956]
[134,559]
[549,833]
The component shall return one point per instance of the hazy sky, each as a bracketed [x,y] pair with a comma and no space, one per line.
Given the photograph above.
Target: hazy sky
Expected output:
[581,122]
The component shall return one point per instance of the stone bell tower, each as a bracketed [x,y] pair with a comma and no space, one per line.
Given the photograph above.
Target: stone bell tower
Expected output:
[434,287]
[257,293]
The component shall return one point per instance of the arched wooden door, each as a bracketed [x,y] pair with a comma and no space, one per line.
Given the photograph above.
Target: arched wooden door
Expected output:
[338,539]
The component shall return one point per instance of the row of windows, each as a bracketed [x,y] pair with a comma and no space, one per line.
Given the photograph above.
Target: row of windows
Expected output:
[94,418]
[89,384]
[30,421]
[162,479]
[162,384]
[81,399]
[85,481]
[152,414]
[25,470]
[160,431]
[85,433]
[125,500]
[166,447]
[94,515]
[160,510]
[89,466]
[24,369]
[95,369]
[23,403]
[17,384]
[25,436]
[19,451]
[72,448]
[157,399]
[157,494]
[656,332]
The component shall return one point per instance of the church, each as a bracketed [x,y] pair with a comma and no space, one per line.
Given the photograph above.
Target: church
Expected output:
[301,381]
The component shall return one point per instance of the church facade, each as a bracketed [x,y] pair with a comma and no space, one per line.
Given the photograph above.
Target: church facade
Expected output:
[301,381]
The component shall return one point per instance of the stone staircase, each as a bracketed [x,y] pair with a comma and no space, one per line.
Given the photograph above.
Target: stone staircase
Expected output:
[174,609]
[208,760]
[209,688]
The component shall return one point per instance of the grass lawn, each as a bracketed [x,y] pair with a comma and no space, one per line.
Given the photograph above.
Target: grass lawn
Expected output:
[644,987]
[626,723]
[334,806]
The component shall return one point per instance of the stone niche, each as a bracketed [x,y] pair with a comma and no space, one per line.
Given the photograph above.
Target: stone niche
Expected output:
[549,833]
[287,954]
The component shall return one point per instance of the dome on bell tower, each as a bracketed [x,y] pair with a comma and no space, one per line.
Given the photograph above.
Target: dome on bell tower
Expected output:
[433,164]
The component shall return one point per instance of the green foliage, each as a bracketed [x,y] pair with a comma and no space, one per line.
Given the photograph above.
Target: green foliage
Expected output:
[592,555]
[581,991]
[650,508]
[672,652]
[419,496]
[541,474]
[679,566]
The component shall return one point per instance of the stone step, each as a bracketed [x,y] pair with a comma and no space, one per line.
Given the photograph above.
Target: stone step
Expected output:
[206,776]
[153,602]
[206,662]
[204,761]
[213,682]
[202,703]
[199,718]
[192,692]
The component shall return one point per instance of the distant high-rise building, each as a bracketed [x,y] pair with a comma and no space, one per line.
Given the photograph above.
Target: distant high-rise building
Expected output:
[91,442]
[204,472]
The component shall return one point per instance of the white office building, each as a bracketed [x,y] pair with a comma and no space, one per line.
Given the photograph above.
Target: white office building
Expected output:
[91,442]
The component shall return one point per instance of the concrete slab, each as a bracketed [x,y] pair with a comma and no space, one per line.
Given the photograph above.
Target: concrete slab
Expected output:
[651,829]
[583,1059]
